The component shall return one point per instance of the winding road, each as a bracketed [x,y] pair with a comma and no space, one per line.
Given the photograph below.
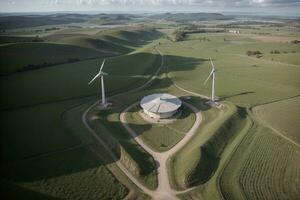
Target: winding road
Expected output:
[164,190]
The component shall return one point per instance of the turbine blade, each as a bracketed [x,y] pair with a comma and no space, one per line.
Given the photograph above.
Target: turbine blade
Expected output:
[102,66]
[211,73]
[97,75]
[212,64]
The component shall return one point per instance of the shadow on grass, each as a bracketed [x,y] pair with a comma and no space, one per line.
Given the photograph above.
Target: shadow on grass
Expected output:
[222,98]
[203,171]
[85,156]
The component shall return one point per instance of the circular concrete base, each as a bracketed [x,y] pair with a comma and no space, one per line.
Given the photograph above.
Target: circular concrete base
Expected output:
[149,119]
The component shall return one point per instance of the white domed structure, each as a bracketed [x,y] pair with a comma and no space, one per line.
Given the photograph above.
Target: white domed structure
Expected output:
[161,105]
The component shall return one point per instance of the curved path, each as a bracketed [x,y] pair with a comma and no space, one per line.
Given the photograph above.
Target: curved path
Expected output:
[164,190]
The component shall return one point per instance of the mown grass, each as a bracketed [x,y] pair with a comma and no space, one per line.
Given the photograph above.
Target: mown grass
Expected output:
[161,137]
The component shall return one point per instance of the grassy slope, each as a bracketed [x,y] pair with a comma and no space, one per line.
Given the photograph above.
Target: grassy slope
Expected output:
[161,137]
[97,44]
[184,164]
[15,39]
[259,80]
[283,116]
[28,125]
[70,80]
[139,162]
[47,104]
[69,174]
[18,57]
[57,161]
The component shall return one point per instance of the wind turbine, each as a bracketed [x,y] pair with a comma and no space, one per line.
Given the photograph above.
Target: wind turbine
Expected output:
[101,74]
[213,74]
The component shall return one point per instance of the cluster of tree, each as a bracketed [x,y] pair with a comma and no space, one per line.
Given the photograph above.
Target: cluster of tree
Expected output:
[37,39]
[46,64]
[52,29]
[295,42]
[177,35]
[257,54]
[274,52]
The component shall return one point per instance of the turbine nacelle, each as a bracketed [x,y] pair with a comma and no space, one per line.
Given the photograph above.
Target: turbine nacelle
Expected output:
[103,74]
[100,73]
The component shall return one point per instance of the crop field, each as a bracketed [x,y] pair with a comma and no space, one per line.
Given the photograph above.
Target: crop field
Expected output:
[56,178]
[263,171]
[283,116]
[161,137]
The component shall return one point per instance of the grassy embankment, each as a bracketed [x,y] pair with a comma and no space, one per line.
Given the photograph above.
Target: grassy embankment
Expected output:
[33,105]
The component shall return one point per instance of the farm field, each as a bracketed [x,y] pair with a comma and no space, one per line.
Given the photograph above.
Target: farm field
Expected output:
[58,142]
[282,115]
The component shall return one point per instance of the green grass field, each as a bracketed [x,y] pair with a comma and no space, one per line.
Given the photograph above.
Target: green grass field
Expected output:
[245,81]
[283,116]
[161,137]
[55,97]
[69,81]
[259,171]
[246,150]
[197,161]
[241,79]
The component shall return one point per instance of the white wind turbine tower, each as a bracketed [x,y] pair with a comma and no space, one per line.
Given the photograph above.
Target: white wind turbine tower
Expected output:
[101,74]
[213,74]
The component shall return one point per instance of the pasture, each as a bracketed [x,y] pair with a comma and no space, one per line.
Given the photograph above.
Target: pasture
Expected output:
[251,81]
[242,79]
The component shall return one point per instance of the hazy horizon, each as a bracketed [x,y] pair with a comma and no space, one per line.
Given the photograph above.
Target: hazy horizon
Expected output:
[252,7]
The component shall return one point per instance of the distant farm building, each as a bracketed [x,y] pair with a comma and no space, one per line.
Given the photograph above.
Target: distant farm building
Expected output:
[234,31]
[161,105]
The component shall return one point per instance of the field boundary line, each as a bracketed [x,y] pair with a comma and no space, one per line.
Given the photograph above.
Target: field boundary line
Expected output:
[254,114]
